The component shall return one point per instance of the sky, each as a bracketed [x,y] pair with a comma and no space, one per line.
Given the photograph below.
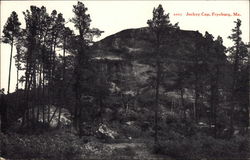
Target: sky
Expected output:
[114,16]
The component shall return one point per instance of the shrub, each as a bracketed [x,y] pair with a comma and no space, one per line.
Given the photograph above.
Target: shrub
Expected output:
[48,146]
[127,151]
[200,146]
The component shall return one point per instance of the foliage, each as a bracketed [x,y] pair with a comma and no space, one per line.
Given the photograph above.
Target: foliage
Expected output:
[128,151]
[51,145]
[200,147]
[11,29]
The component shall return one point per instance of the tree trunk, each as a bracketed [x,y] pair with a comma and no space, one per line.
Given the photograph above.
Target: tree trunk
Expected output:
[196,112]
[50,82]
[11,51]
[157,100]
[3,114]
[39,92]
[34,95]
[234,86]
[63,83]
[182,103]
[43,96]
[248,108]
[17,79]
[212,102]
[101,107]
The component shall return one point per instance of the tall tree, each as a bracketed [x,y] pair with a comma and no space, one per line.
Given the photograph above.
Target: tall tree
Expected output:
[44,49]
[37,33]
[160,26]
[82,70]
[238,56]
[10,33]
[32,19]
[66,35]
[216,59]
[56,29]
[199,70]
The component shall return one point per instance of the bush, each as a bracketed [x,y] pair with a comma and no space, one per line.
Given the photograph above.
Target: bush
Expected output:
[48,146]
[183,149]
[200,146]
[126,152]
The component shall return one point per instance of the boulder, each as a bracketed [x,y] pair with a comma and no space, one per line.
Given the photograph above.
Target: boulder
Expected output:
[104,130]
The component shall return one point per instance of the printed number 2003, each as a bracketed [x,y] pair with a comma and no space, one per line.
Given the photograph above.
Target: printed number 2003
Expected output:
[177,14]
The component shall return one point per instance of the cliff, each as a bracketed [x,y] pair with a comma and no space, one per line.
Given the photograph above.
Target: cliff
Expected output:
[134,48]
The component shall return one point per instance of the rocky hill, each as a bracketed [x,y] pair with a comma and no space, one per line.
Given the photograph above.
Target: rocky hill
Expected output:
[130,48]
[133,42]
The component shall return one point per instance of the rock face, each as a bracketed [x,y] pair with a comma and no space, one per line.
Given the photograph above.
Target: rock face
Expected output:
[125,51]
[133,42]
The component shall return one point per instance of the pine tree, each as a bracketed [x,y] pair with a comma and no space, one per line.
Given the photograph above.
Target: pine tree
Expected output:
[10,34]
[66,35]
[82,70]
[238,56]
[160,26]
[216,58]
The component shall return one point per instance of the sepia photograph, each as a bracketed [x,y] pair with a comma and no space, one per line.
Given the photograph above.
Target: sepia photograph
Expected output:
[123,79]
